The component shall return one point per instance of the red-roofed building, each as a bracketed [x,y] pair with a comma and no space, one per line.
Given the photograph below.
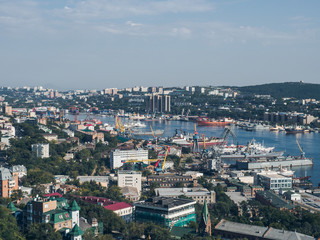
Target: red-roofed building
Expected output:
[53,195]
[122,209]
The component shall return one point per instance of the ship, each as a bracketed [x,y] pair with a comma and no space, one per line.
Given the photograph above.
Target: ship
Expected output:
[187,140]
[295,130]
[157,132]
[279,162]
[252,150]
[213,122]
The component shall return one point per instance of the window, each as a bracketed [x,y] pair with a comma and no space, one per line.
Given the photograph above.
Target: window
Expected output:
[60,216]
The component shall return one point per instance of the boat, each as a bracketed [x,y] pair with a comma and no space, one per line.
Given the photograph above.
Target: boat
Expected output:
[213,122]
[257,127]
[295,130]
[187,140]
[276,128]
[148,133]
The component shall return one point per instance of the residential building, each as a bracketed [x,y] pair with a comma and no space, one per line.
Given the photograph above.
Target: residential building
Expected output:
[41,150]
[167,212]
[8,182]
[200,195]
[158,103]
[118,157]
[129,179]
[20,170]
[233,230]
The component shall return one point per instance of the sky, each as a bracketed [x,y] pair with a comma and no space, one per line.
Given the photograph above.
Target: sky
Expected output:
[97,44]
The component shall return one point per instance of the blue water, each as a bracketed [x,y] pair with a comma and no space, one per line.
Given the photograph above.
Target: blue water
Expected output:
[310,142]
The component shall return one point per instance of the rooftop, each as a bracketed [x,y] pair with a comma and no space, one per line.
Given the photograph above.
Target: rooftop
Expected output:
[165,202]
[261,232]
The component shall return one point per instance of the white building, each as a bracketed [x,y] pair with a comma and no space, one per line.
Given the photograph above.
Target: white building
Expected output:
[21,170]
[41,150]
[118,157]
[129,179]
[197,194]
[272,180]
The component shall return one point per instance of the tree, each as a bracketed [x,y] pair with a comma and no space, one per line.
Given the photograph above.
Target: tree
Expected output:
[16,194]
[42,231]
[9,229]
[156,232]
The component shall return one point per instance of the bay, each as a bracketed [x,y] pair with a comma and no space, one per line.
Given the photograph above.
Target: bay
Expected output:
[310,142]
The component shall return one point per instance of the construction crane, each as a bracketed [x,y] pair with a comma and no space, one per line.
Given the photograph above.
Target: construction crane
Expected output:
[134,161]
[165,157]
[155,136]
[302,152]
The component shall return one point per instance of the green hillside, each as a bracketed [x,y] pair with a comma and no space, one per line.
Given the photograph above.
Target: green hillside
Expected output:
[287,89]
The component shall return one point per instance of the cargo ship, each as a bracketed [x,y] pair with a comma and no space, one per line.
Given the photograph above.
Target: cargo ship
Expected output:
[295,130]
[213,122]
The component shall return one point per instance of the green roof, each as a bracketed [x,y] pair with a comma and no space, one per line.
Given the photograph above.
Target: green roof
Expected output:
[12,207]
[58,215]
[76,231]
[205,212]
[74,206]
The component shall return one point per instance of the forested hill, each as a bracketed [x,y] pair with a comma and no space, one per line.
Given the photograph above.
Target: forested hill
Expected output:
[287,89]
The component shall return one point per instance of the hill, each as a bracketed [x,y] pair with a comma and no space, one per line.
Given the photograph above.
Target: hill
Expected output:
[287,89]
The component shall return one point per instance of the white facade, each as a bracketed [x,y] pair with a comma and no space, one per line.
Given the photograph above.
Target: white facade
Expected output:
[129,179]
[41,150]
[272,180]
[118,157]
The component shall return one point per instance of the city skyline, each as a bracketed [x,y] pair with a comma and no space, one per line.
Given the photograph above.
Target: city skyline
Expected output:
[102,43]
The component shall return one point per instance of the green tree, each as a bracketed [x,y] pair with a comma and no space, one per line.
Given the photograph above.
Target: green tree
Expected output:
[9,229]
[42,231]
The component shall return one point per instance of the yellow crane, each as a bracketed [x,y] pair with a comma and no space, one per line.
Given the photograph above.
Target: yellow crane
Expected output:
[302,152]
[146,160]
[155,137]
[165,157]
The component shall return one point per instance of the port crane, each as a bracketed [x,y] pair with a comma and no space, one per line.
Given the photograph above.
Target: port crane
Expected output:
[302,152]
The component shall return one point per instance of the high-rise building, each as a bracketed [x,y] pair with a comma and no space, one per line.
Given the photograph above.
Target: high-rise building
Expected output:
[158,103]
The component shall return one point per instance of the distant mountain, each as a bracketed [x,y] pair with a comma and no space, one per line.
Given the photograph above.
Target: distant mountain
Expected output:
[288,89]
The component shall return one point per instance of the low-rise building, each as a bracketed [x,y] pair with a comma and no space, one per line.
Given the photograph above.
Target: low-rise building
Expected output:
[172,180]
[122,209]
[272,180]
[166,212]
[233,230]
[198,194]
[103,180]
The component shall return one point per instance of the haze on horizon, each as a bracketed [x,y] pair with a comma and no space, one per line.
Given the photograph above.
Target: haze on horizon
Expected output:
[95,44]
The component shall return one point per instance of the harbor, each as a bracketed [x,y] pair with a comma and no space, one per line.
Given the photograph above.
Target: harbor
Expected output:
[282,142]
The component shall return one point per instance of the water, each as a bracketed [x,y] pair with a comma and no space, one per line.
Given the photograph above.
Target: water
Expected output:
[310,142]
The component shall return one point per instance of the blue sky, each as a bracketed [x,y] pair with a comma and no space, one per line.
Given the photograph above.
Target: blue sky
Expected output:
[95,44]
